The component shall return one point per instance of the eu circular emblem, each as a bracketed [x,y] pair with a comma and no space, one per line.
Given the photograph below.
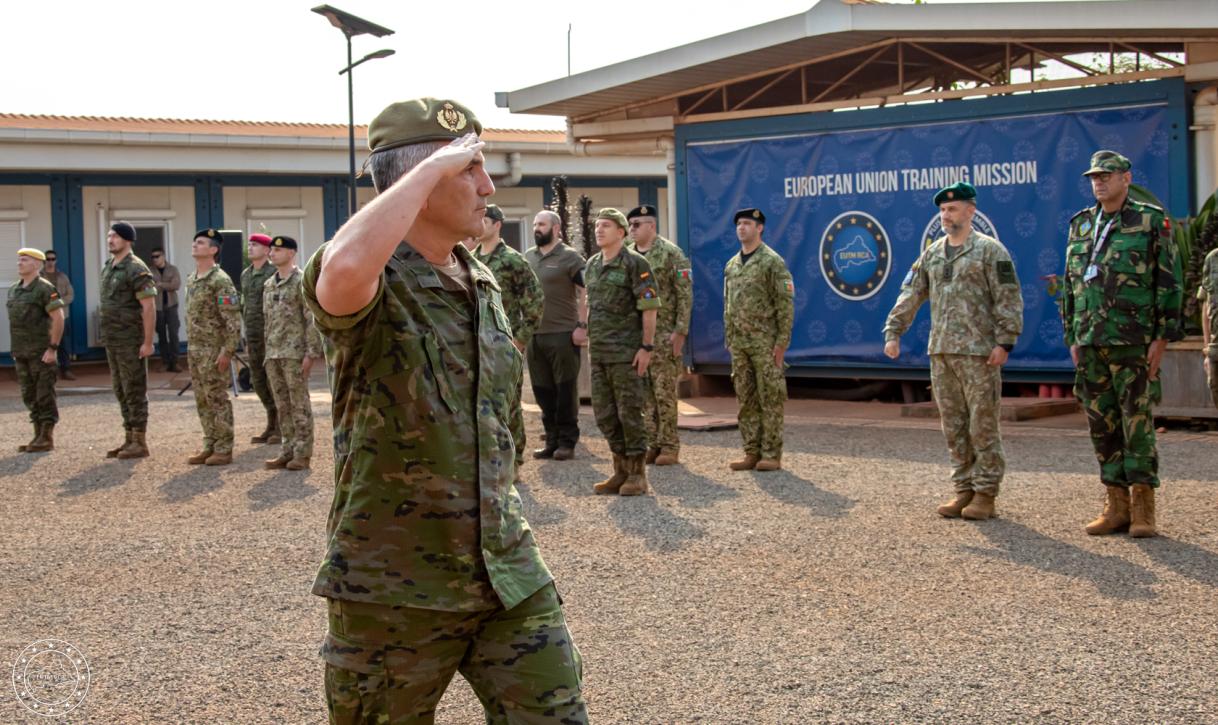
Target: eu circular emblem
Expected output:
[934,228]
[855,255]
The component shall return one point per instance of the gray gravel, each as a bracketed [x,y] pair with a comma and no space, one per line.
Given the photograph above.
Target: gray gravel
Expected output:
[829,592]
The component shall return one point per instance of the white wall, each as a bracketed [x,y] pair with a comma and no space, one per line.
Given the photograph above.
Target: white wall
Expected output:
[294,211]
[28,210]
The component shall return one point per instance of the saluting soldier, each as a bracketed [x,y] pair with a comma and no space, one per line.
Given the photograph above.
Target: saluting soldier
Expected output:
[126,317]
[622,307]
[1120,307]
[1207,291]
[430,567]
[292,346]
[758,314]
[213,329]
[976,315]
[671,272]
[523,301]
[35,323]
[253,281]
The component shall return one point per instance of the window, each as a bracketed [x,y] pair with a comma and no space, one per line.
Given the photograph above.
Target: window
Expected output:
[12,238]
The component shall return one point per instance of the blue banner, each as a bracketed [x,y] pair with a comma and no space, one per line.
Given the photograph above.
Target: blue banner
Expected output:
[851,211]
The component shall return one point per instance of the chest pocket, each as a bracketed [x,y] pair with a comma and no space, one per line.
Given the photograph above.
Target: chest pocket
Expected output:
[21,311]
[616,277]
[1126,254]
[115,284]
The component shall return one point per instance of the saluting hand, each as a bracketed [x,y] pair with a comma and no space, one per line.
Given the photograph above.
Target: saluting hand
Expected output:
[455,157]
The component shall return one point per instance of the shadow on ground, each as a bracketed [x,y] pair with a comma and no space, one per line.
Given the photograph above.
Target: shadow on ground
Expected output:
[791,489]
[660,529]
[18,464]
[110,474]
[1187,560]
[279,489]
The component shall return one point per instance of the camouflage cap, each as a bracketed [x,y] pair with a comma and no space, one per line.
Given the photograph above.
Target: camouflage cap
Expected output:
[1106,162]
[959,191]
[420,120]
[614,216]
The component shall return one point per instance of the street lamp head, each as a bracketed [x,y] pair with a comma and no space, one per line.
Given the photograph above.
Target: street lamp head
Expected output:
[351,25]
[382,53]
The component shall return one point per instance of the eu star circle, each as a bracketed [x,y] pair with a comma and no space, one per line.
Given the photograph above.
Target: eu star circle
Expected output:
[51,677]
[855,255]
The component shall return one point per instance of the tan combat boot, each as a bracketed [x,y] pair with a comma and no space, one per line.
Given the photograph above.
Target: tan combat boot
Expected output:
[137,448]
[281,462]
[652,454]
[37,434]
[1142,511]
[768,464]
[200,458]
[272,429]
[952,509]
[1116,513]
[298,463]
[980,508]
[636,477]
[745,464]
[667,459]
[219,459]
[113,452]
[44,440]
[614,482]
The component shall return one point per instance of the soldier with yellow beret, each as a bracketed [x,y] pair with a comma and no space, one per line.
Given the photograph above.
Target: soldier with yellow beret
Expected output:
[35,321]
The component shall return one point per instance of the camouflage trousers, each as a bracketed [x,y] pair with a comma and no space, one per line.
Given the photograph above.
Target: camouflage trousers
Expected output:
[37,382]
[211,400]
[392,664]
[660,411]
[969,395]
[1113,384]
[761,391]
[291,392]
[255,352]
[129,376]
[617,403]
[1212,375]
[517,423]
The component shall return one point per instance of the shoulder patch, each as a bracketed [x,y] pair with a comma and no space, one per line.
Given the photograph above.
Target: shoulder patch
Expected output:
[1006,271]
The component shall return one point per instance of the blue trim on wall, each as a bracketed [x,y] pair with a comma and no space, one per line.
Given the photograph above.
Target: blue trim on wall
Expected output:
[68,241]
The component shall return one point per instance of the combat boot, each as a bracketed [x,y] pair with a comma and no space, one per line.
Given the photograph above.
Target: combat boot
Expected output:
[298,463]
[745,464]
[1142,511]
[652,455]
[274,439]
[37,434]
[1116,513]
[980,508]
[219,459]
[614,482]
[137,448]
[113,452]
[281,462]
[272,429]
[200,458]
[768,464]
[45,439]
[667,459]
[952,509]
[636,478]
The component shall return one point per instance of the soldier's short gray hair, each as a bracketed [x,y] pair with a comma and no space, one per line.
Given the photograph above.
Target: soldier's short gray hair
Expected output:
[392,164]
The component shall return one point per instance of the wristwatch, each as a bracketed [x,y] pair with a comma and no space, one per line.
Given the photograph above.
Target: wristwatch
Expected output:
[581,325]
[647,347]
[53,346]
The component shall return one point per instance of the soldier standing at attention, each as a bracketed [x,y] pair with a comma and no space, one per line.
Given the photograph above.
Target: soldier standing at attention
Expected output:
[1120,307]
[253,280]
[522,300]
[168,282]
[35,323]
[125,321]
[622,307]
[758,313]
[671,271]
[292,346]
[554,350]
[213,329]
[63,285]
[430,566]
[976,314]
[1206,292]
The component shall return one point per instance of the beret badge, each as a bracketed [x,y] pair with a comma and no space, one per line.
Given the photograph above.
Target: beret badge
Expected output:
[450,119]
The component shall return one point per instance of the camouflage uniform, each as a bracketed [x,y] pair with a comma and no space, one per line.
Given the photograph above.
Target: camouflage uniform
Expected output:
[523,303]
[430,565]
[673,283]
[121,330]
[1208,292]
[253,279]
[291,336]
[758,313]
[1133,300]
[29,324]
[975,305]
[213,326]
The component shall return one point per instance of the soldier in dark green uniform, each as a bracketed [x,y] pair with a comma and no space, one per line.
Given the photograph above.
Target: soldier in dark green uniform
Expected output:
[253,280]
[126,318]
[35,323]
[1207,291]
[1120,307]
[430,566]
[622,306]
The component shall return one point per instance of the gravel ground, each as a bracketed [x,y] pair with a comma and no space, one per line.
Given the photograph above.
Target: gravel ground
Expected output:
[828,592]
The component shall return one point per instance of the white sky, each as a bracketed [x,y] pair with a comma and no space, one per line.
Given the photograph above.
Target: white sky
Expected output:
[264,60]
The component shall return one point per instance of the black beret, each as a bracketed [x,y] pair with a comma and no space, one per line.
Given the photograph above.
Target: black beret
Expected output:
[212,235]
[494,212]
[959,191]
[420,120]
[124,230]
[755,214]
[644,210]
[283,243]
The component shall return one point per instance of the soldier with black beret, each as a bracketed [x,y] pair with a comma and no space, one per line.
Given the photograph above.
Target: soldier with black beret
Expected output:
[213,329]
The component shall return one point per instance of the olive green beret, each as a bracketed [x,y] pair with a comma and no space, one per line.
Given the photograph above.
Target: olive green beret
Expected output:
[614,216]
[1105,162]
[959,191]
[421,120]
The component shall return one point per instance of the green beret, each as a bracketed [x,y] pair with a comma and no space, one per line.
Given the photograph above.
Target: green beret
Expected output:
[421,120]
[283,243]
[494,213]
[211,235]
[644,210]
[1106,162]
[614,216]
[959,191]
[754,214]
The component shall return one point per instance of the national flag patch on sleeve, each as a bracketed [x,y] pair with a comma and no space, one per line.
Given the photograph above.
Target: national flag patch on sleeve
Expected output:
[1167,225]
[684,273]
[644,275]
[226,300]
[790,287]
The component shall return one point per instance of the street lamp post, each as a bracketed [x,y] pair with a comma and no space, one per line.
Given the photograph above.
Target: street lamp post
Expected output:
[352,26]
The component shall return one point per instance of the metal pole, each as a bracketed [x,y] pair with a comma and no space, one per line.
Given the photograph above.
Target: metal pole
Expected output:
[350,131]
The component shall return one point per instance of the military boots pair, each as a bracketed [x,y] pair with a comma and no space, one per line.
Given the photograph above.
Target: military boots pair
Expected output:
[271,433]
[44,439]
[210,458]
[754,462]
[288,461]
[1127,509]
[969,505]
[658,457]
[629,477]
[135,446]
